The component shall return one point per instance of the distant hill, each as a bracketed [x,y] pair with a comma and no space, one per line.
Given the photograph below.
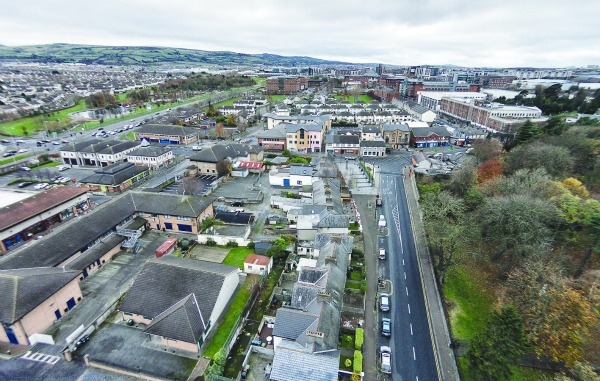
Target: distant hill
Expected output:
[143,55]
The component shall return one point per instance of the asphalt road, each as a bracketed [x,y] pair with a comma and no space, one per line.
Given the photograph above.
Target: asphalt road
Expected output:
[412,351]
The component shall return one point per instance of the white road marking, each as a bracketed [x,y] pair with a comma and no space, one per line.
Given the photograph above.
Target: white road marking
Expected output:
[409,308]
[404,275]
[414,354]
[402,261]
[407,291]
[411,332]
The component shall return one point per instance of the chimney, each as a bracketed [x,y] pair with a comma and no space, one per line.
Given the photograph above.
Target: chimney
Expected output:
[324,297]
[315,337]
[331,259]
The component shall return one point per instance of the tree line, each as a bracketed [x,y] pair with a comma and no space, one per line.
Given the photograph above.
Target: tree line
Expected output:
[552,100]
[527,219]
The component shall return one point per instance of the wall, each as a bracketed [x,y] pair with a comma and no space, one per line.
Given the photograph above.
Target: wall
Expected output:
[42,317]
[230,284]
[182,345]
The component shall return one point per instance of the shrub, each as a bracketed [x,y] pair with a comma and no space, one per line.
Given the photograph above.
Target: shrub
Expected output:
[210,242]
[231,244]
[358,359]
[251,245]
[358,341]
[348,363]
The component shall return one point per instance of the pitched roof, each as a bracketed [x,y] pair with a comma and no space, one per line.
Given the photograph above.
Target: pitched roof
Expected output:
[114,174]
[427,131]
[221,151]
[166,129]
[87,229]
[255,259]
[291,323]
[89,256]
[372,143]
[164,281]
[38,203]
[150,151]
[297,365]
[23,290]
[182,321]
[394,127]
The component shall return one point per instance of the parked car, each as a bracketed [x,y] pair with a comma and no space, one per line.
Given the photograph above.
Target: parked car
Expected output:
[5,141]
[385,354]
[386,327]
[39,186]
[23,150]
[62,167]
[384,302]
[8,154]
[26,169]
[237,203]
[381,253]
[56,142]
[24,184]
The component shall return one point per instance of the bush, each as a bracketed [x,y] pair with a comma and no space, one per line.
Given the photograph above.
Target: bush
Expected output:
[355,275]
[358,359]
[358,340]
[231,244]
[348,363]
[210,242]
[251,245]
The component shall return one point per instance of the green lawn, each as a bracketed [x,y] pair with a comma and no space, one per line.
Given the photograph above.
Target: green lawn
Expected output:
[224,329]
[236,256]
[12,159]
[32,124]
[472,304]
[277,98]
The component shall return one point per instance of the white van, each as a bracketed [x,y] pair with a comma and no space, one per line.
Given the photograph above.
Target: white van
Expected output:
[381,253]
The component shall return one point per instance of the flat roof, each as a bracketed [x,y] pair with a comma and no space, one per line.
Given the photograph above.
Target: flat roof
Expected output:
[8,197]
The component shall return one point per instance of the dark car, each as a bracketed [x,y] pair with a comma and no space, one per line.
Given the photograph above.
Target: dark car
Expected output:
[23,185]
[237,203]
[386,327]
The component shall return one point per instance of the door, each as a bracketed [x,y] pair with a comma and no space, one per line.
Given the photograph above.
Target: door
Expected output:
[286,182]
[85,273]
[71,303]
[57,314]
[12,338]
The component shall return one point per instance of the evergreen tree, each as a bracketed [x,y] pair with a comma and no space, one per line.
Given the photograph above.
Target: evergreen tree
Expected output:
[526,132]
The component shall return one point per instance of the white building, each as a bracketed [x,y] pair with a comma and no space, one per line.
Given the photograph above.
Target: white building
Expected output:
[431,99]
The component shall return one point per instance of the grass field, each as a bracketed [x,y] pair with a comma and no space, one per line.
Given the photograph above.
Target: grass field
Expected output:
[32,124]
[519,373]
[236,256]
[224,330]
[277,98]
[472,302]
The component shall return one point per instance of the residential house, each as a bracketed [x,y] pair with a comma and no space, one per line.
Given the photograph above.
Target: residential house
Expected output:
[258,264]
[33,299]
[370,132]
[208,160]
[293,176]
[180,299]
[343,142]
[273,139]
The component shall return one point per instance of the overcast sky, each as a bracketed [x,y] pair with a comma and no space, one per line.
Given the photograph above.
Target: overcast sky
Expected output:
[494,33]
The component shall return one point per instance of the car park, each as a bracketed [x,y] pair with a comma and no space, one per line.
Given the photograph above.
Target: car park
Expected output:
[384,302]
[386,327]
[385,356]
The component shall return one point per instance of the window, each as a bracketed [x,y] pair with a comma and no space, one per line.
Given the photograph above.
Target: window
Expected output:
[249,267]
[184,227]
[167,216]
[168,226]
[180,218]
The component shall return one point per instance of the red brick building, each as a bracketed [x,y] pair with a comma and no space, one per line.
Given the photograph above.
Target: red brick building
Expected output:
[286,85]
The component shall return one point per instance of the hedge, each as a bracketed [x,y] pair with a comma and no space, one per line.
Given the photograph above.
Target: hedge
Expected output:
[358,359]
[358,340]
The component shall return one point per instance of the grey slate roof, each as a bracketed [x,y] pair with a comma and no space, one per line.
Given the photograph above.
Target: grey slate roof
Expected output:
[334,221]
[293,127]
[182,321]
[221,151]
[114,174]
[277,132]
[370,129]
[297,365]
[237,218]
[346,139]
[166,129]
[301,170]
[291,323]
[79,235]
[150,151]
[372,143]
[23,290]
[426,131]
[164,281]
[393,127]
[91,255]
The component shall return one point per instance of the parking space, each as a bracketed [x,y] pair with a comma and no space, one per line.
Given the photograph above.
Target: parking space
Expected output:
[190,185]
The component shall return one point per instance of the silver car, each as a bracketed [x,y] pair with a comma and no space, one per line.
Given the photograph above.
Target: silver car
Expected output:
[385,354]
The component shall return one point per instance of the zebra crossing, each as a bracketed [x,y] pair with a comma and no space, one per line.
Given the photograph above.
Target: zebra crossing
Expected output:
[40,357]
